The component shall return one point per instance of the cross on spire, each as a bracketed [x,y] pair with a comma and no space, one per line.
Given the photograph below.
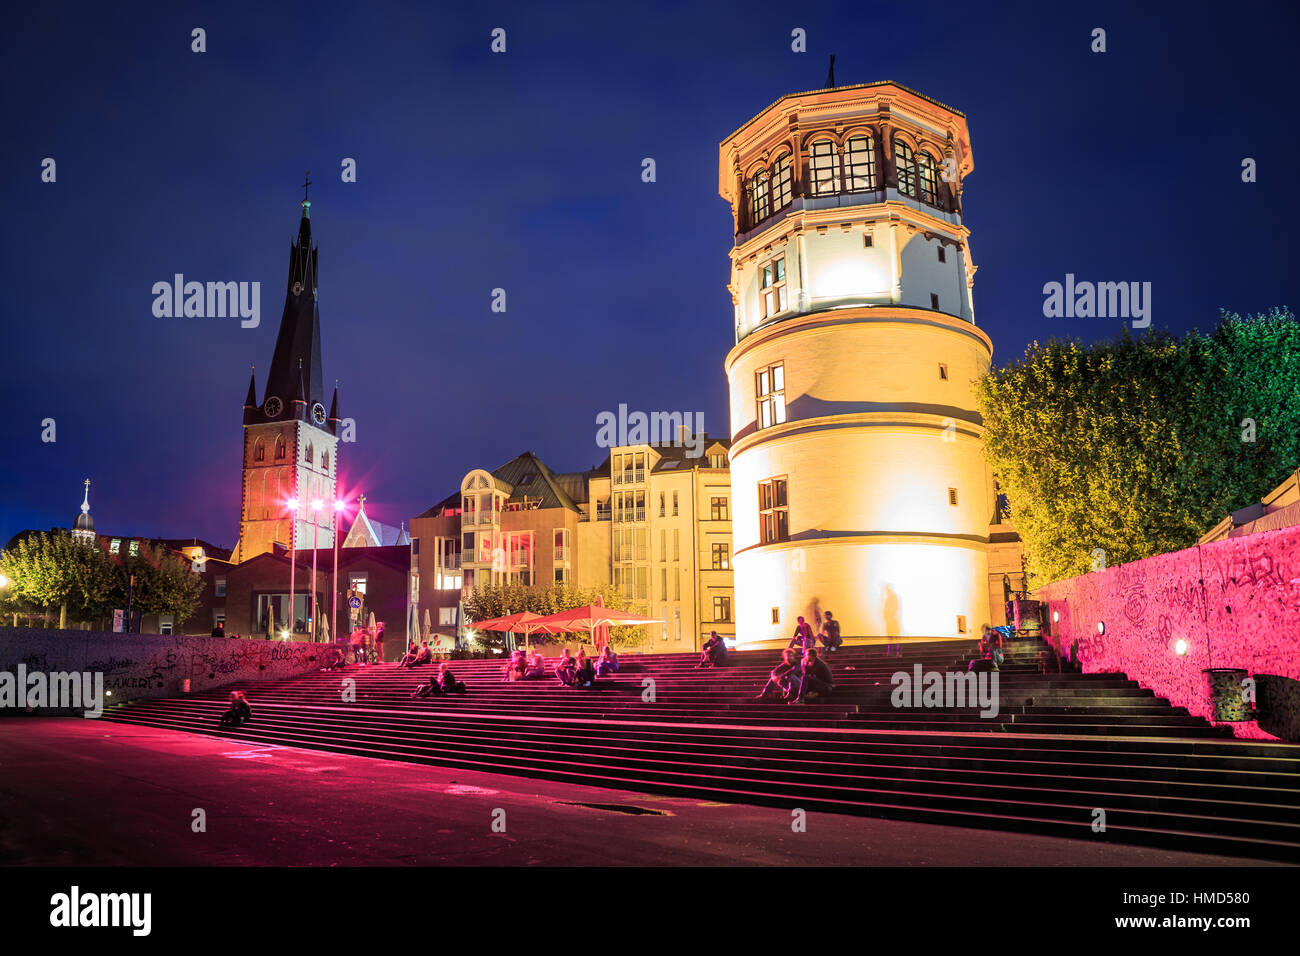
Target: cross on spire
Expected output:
[306,181]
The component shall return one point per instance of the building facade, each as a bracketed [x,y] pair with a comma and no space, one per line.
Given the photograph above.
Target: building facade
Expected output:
[858,477]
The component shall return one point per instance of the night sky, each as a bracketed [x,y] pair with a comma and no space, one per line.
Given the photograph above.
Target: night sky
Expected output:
[522,171]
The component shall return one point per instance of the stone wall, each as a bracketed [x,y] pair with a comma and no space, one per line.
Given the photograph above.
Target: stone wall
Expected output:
[153,665]
[1236,603]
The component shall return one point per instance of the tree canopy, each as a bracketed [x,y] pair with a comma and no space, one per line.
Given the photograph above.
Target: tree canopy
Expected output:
[1138,445]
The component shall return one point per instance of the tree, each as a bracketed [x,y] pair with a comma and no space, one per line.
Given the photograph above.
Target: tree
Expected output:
[164,584]
[1136,446]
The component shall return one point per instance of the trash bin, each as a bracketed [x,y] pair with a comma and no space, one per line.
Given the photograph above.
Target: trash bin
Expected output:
[1226,693]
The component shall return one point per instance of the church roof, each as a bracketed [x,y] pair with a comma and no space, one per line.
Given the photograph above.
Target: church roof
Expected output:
[527,477]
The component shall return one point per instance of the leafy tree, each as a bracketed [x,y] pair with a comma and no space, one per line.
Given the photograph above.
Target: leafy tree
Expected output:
[1137,446]
[164,584]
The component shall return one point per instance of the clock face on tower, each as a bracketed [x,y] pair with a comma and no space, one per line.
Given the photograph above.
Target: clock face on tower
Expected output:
[273,407]
[318,413]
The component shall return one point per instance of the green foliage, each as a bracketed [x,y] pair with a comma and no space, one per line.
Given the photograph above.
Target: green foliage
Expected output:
[52,570]
[1135,446]
[498,600]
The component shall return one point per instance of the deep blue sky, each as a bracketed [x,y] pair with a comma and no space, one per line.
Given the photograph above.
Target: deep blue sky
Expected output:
[522,171]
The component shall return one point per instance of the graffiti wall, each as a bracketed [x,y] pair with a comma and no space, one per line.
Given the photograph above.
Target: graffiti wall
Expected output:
[1234,604]
[154,665]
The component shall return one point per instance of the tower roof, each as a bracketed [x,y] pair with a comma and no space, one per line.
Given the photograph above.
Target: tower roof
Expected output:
[84,521]
[295,372]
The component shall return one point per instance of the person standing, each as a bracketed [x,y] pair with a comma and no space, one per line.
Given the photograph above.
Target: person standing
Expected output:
[831,639]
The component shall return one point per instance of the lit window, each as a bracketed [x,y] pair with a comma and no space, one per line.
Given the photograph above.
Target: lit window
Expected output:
[952,496]
[722,607]
[770,393]
[759,206]
[309,455]
[859,164]
[776,615]
[325,461]
[259,450]
[135,548]
[115,546]
[773,511]
[721,557]
[929,181]
[718,509]
[823,166]
[782,183]
[906,165]
[279,448]
[220,585]
[772,292]
[674,506]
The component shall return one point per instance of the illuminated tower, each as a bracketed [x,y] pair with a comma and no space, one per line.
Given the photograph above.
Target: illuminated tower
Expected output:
[857,475]
[290,441]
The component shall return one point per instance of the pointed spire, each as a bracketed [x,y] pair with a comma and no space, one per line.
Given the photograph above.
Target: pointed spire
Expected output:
[830,74]
[251,400]
[85,502]
[334,405]
[301,394]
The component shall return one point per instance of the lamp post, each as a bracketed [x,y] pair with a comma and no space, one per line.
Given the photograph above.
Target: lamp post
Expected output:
[293,562]
[334,609]
[315,546]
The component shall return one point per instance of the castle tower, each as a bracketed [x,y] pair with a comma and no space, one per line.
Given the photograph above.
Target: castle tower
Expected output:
[857,474]
[290,441]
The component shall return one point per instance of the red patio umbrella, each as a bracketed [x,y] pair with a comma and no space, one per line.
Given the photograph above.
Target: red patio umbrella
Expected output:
[525,621]
[589,617]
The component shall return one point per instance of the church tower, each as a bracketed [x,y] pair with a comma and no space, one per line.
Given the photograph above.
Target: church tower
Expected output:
[83,529]
[857,471]
[290,441]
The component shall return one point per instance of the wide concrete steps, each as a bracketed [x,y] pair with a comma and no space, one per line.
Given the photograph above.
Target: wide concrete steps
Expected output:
[1161,777]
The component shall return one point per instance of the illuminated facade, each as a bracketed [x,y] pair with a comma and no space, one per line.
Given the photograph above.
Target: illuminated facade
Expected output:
[858,479]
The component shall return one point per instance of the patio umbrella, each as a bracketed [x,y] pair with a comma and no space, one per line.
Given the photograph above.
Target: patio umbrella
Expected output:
[591,616]
[525,621]
[428,624]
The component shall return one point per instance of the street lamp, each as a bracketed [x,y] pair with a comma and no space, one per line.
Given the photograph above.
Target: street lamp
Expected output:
[315,546]
[293,545]
[334,609]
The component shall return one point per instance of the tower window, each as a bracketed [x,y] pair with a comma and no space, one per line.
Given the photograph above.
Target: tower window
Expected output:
[674,507]
[952,496]
[961,623]
[259,450]
[773,511]
[859,164]
[782,176]
[867,241]
[929,181]
[943,371]
[310,455]
[905,163]
[771,292]
[776,615]
[943,253]
[823,165]
[759,207]
[934,301]
[279,448]
[325,461]
[769,390]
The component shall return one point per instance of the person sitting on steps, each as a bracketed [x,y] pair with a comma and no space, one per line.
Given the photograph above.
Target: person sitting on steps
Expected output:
[564,671]
[424,655]
[815,678]
[607,663]
[830,635]
[516,667]
[412,652]
[803,637]
[447,680]
[536,665]
[430,689]
[714,652]
[584,674]
[784,678]
[239,712]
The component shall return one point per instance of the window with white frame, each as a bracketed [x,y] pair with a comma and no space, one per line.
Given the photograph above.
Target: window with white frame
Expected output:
[824,168]
[770,392]
[772,287]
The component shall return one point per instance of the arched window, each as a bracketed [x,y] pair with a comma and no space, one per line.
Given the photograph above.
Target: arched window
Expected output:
[782,182]
[279,448]
[325,461]
[309,455]
[259,450]
[906,164]
[929,180]
[859,164]
[759,205]
[823,168]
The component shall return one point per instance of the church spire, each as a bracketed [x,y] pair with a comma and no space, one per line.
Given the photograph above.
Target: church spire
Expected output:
[250,400]
[83,529]
[296,363]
